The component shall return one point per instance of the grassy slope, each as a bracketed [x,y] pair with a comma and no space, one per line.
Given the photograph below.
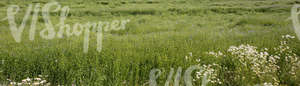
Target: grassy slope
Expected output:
[159,35]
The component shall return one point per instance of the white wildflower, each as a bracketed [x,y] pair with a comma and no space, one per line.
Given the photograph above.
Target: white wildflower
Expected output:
[19,84]
[268,84]
[13,83]
[198,60]
[44,81]
[28,79]
[36,83]
[38,79]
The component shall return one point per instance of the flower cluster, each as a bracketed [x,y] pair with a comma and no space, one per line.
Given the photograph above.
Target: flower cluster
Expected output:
[39,81]
[209,72]
[284,51]
[260,62]
[264,65]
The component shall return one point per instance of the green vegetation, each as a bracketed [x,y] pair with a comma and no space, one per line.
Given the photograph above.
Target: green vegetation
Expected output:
[159,35]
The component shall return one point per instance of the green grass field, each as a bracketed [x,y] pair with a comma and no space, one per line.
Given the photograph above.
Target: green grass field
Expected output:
[159,35]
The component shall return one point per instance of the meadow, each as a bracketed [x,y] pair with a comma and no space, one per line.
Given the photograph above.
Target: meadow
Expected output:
[161,34]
